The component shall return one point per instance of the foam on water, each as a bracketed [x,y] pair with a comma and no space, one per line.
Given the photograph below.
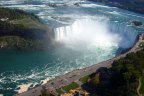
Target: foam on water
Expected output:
[95,6]
[23,87]
[115,12]
[45,80]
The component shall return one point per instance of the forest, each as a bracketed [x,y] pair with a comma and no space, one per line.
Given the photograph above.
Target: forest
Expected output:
[121,79]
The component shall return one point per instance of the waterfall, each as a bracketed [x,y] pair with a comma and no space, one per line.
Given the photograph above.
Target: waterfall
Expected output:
[99,30]
[62,32]
[127,33]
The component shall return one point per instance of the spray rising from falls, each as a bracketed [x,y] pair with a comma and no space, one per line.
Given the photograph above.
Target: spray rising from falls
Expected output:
[127,34]
[99,32]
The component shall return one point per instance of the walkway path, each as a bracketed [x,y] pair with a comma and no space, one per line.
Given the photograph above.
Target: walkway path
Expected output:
[139,86]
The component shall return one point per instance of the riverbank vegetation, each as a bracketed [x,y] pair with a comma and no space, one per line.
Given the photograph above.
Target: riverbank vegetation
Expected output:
[21,30]
[15,18]
[16,42]
[72,85]
[85,79]
[119,80]
[67,88]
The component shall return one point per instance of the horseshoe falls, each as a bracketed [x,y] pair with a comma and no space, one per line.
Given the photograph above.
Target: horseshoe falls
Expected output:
[96,31]
[83,35]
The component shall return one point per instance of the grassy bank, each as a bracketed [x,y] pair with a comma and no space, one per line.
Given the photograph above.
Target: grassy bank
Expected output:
[72,85]
[21,30]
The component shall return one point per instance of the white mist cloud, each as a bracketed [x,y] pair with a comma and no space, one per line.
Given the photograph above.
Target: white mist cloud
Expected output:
[88,32]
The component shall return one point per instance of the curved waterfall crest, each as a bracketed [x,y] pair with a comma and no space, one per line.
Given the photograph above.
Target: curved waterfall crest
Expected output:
[100,31]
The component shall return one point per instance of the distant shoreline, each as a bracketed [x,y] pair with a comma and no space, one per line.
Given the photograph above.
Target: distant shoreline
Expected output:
[76,74]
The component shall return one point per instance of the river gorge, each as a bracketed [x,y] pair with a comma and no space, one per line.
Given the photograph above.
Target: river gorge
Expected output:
[84,33]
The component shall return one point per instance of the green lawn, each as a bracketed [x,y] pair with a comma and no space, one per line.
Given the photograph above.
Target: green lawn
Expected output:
[84,79]
[142,85]
[59,91]
[27,22]
[72,85]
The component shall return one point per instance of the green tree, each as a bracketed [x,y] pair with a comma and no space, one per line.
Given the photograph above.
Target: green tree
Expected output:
[96,80]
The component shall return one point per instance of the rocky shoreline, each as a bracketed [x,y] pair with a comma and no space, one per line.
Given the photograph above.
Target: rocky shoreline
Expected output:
[75,75]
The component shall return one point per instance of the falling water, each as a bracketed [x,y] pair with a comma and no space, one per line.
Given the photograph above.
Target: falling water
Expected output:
[100,31]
